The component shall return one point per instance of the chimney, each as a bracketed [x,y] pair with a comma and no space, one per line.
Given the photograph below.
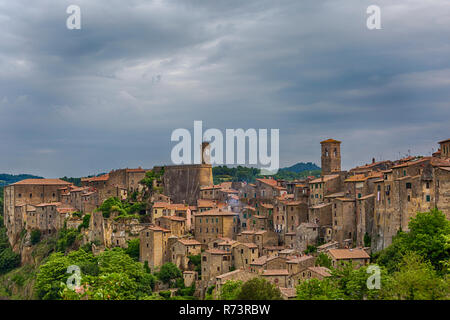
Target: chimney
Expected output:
[373,160]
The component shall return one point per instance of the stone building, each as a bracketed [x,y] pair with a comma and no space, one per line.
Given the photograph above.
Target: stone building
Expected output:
[214,263]
[244,254]
[182,249]
[29,192]
[154,246]
[215,223]
[357,256]
[331,156]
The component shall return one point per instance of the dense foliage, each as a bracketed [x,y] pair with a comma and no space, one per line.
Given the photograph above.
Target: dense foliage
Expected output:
[124,209]
[112,275]
[414,267]
[240,173]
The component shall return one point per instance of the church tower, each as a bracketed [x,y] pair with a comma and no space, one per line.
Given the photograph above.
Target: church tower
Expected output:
[331,156]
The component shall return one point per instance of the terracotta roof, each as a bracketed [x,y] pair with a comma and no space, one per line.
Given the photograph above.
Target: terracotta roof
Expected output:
[410,163]
[66,210]
[325,178]
[300,259]
[259,261]
[275,272]
[330,141]
[270,182]
[267,205]
[437,162]
[189,242]
[321,205]
[335,195]
[260,232]
[172,206]
[348,253]
[444,141]
[321,270]
[249,245]
[445,168]
[345,199]
[357,178]
[104,177]
[367,196]
[210,187]
[156,228]
[41,182]
[174,218]
[48,204]
[217,212]
[204,203]
[217,251]
[249,208]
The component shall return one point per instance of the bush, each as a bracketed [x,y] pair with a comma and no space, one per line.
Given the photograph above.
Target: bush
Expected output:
[35,236]
[165,294]
[259,289]
[8,260]
[133,248]
[168,272]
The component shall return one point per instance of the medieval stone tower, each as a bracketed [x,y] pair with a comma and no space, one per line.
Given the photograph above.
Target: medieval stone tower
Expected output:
[331,156]
[183,182]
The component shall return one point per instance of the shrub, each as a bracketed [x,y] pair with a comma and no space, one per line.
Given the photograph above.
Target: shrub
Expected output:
[35,236]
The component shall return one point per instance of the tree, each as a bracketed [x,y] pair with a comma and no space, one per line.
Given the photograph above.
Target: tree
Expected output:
[427,236]
[133,249]
[315,289]
[323,260]
[259,289]
[367,240]
[231,290]
[8,260]
[416,280]
[35,236]
[169,271]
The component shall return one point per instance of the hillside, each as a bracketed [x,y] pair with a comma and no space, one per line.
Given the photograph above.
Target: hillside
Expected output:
[6,179]
[301,167]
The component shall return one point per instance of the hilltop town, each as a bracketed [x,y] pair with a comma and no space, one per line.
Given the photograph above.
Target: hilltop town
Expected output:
[271,229]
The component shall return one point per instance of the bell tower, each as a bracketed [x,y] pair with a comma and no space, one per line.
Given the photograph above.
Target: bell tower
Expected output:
[331,156]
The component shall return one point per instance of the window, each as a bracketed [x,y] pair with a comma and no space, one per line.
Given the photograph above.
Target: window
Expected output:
[409,198]
[408,185]
[428,185]
[428,198]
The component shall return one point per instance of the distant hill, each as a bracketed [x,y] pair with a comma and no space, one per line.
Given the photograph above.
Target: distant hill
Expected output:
[301,167]
[6,179]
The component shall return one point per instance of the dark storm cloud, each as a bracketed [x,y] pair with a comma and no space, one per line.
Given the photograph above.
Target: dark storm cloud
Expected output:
[76,102]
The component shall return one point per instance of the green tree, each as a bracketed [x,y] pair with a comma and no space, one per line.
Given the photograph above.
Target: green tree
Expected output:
[133,249]
[8,260]
[416,280]
[323,260]
[169,272]
[315,289]
[230,290]
[35,236]
[427,236]
[259,289]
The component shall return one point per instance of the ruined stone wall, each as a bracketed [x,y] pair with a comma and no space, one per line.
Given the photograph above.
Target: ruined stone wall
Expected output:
[182,183]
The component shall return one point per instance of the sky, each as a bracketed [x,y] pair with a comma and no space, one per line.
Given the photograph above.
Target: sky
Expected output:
[80,102]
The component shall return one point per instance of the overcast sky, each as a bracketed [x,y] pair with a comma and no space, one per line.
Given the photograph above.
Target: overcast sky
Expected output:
[79,102]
